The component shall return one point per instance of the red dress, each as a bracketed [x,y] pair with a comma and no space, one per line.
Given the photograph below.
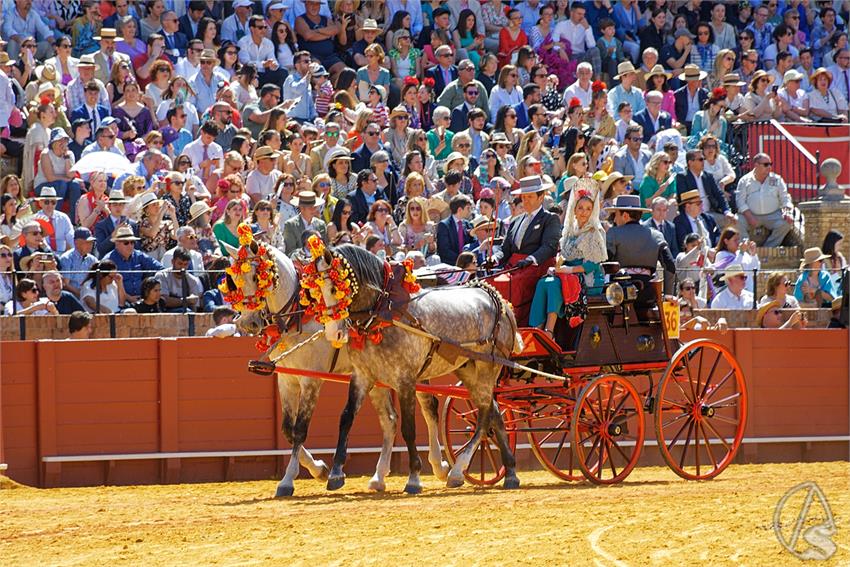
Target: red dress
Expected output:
[507,46]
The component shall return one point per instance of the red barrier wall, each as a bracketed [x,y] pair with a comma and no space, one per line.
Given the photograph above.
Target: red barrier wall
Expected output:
[61,398]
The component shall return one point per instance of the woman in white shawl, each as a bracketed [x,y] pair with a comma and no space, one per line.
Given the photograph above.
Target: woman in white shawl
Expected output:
[582,252]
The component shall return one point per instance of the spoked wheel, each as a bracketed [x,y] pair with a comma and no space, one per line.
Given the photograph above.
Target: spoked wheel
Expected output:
[458,419]
[701,410]
[607,429]
[549,436]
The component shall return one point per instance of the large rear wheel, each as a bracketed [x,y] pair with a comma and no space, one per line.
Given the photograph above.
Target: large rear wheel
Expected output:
[458,420]
[549,435]
[701,410]
[607,429]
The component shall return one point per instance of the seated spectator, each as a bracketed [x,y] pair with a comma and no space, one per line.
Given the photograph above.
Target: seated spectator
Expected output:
[658,182]
[79,325]
[187,239]
[223,320]
[59,230]
[151,301]
[34,242]
[105,229]
[837,263]
[257,49]
[697,179]
[792,101]
[453,231]
[106,285]
[759,101]
[734,295]
[763,200]
[688,294]
[769,316]
[7,276]
[315,32]
[65,302]
[777,290]
[711,119]
[91,107]
[77,261]
[308,204]
[732,250]
[826,104]
[658,220]
[633,157]
[691,97]
[181,290]
[691,220]
[717,165]
[814,286]
[27,302]
[54,170]
[132,264]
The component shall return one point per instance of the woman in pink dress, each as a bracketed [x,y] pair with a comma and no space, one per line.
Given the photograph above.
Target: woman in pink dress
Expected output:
[556,55]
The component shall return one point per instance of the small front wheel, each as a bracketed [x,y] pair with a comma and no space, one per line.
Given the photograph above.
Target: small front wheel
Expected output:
[607,429]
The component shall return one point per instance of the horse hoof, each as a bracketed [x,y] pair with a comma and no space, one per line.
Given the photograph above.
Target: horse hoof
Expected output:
[324,471]
[377,485]
[412,489]
[283,491]
[442,471]
[511,483]
[336,482]
[454,482]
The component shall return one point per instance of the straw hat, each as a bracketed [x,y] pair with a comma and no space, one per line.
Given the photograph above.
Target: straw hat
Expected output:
[399,111]
[116,196]
[692,73]
[733,80]
[48,194]
[656,70]
[197,209]
[437,204]
[265,152]
[820,71]
[209,55]
[307,199]
[86,61]
[792,75]
[732,271]
[812,255]
[4,59]
[624,68]
[46,73]
[148,199]
[456,156]
[763,309]
[614,176]
[758,75]
[626,202]
[482,223]
[336,153]
[106,33]
[687,196]
[124,234]
[499,139]
[370,25]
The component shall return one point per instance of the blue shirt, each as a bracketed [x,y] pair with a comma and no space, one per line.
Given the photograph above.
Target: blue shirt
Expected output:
[134,269]
[530,15]
[31,25]
[618,94]
[296,86]
[73,261]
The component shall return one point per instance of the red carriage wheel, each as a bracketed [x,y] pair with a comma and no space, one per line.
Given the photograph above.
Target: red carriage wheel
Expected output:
[549,436]
[607,429]
[458,419]
[701,410]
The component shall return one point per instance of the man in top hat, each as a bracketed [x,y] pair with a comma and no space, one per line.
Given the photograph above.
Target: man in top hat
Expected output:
[691,97]
[256,48]
[105,230]
[308,204]
[735,295]
[652,119]
[626,91]
[58,229]
[75,93]
[106,57]
[638,248]
[77,261]
[692,220]
[133,265]
[763,200]
[453,231]
[91,109]
[261,182]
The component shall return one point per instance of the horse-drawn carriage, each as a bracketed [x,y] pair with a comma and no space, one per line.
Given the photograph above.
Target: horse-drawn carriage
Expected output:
[582,398]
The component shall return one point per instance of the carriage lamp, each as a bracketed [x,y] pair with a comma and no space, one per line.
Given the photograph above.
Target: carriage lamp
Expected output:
[614,294]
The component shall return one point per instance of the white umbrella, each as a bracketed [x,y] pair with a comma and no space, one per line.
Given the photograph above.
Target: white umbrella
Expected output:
[107,162]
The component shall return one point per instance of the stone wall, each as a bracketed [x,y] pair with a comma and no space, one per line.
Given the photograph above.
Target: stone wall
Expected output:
[821,217]
[125,326]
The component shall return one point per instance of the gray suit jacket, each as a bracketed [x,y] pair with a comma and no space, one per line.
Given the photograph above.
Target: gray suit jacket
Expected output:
[102,72]
[623,163]
[294,228]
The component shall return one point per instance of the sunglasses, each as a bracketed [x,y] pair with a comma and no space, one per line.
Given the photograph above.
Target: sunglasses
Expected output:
[5,255]
[324,184]
[635,139]
[371,133]
[382,210]
[698,159]
[415,208]
[289,184]
[178,183]
[235,191]
[464,145]
[472,92]
[688,288]
[766,163]
[332,134]
[346,211]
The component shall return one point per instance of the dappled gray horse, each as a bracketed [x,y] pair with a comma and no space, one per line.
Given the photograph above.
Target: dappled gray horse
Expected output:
[473,317]
[298,395]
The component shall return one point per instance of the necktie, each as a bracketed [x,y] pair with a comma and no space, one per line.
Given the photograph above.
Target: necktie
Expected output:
[846,85]
[52,234]
[94,120]
[459,235]
[206,155]
[521,232]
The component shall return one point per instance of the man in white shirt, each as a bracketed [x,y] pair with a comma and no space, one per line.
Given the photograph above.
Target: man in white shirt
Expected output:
[235,26]
[578,32]
[205,154]
[62,238]
[261,181]
[256,48]
[188,240]
[205,83]
[841,73]
[735,295]
[763,200]
[581,89]
[190,65]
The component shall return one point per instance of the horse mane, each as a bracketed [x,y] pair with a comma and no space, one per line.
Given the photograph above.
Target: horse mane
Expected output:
[287,277]
[368,269]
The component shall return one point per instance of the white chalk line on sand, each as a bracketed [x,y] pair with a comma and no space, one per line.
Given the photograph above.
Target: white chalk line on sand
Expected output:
[593,539]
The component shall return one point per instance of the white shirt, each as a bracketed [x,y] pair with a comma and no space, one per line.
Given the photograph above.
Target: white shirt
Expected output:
[575,90]
[839,85]
[702,194]
[762,198]
[261,185]
[7,99]
[580,39]
[195,151]
[185,69]
[250,52]
[62,227]
[196,266]
[728,300]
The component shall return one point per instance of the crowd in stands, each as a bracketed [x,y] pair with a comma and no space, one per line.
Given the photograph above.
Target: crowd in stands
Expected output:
[138,135]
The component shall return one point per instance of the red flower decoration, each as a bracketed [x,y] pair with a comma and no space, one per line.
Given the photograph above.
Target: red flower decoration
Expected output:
[429,82]
[411,80]
[44,100]
[574,102]
[718,93]
[597,86]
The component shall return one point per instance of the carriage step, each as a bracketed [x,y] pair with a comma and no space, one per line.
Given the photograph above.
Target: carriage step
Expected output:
[261,368]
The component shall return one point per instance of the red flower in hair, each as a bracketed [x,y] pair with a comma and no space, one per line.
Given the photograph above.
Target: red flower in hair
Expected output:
[223,185]
[583,193]
[574,102]
[718,93]
[429,82]
[598,86]
[44,100]
[411,80]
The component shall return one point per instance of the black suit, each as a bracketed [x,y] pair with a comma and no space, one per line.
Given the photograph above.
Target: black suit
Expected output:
[687,182]
[436,73]
[359,205]
[684,228]
[177,41]
[459,118]
[645,120]
[185,24]
[540,239]
[681,96]
[360,158]
[668,229]
[447,241]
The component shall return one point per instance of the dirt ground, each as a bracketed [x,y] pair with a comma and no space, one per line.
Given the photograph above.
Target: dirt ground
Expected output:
[654,518]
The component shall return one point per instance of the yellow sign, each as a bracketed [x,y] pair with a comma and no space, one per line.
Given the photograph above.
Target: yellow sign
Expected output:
[671,318]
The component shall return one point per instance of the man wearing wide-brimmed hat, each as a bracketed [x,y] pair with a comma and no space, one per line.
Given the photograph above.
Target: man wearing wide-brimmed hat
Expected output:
[133,264]
[106,57]
[483,231]
[261,181]
[735,295]
[105,230]
[691,220]
[59,230]
[626,91]
[638,248]
[691,97]
[75,92]
[308,204]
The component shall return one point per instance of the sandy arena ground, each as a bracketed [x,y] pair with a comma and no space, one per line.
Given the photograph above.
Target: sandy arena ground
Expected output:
[652,519]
